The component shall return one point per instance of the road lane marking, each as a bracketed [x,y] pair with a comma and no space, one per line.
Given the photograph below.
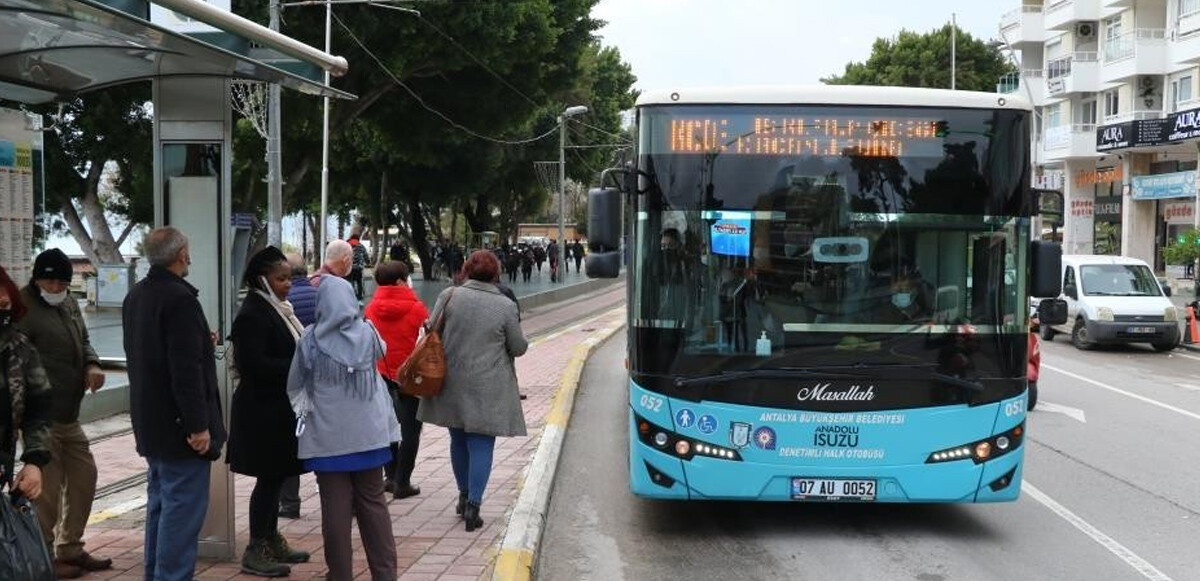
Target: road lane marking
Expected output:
[1180,353]
[1073,413]
[1188,386]
[1132,559]
[1160,404]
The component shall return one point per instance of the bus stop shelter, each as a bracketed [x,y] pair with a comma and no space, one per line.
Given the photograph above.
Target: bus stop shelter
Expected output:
[54,50]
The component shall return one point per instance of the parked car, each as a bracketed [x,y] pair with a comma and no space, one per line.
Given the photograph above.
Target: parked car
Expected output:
[1115,299]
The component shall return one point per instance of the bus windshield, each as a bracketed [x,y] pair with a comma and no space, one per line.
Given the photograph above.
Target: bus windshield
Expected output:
[835,235]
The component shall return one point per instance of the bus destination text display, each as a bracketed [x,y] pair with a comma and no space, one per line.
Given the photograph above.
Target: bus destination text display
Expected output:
[747,134]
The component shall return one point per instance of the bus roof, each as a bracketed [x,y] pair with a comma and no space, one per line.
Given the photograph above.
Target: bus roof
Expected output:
[832,95]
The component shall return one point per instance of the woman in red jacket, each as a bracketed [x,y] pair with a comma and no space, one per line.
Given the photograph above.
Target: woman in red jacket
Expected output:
[398,314]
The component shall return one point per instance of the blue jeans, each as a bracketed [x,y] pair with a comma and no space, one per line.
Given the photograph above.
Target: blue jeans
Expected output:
[177,493]
[471,457]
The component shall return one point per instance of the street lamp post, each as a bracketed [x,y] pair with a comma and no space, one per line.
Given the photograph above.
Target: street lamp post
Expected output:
[325,112]
[562,180]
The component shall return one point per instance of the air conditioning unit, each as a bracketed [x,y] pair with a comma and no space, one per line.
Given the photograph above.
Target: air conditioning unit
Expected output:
[1085,30]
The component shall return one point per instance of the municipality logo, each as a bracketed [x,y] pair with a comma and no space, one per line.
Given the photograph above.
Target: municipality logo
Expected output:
[739,434]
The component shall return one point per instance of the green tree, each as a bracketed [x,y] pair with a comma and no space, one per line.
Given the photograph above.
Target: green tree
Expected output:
[914,59]
[1185,249]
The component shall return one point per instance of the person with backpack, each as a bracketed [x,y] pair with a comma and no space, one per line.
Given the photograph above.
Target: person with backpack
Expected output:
[357,265]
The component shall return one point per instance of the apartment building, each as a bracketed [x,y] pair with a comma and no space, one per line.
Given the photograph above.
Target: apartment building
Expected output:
[1114,83]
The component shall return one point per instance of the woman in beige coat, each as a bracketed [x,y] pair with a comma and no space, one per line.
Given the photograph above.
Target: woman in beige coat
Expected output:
[479,400]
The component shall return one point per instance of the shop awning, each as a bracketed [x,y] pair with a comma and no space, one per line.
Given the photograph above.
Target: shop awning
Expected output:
[54,49]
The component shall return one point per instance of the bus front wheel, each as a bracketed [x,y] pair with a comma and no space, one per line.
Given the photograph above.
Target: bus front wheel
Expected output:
[1032,395]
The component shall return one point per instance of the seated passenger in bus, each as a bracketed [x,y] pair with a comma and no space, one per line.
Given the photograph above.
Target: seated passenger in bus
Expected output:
[910,302]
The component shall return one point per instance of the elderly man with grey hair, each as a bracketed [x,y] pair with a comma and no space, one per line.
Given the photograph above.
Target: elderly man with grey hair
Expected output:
[339,258]
[174,404]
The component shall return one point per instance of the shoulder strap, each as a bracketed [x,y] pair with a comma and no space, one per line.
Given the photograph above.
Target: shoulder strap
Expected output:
[438,323]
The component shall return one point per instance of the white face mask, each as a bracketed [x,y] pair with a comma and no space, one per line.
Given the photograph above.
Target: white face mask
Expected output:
[54,299]
[902,300]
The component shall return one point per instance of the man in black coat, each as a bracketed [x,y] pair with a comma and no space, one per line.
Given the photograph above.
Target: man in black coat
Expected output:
[174,403]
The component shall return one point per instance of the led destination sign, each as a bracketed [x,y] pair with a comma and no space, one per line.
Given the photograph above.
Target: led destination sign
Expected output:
[822,136]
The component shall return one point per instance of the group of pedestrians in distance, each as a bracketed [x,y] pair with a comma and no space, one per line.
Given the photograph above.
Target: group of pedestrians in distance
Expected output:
[46,365]
[314,392]
[521,258]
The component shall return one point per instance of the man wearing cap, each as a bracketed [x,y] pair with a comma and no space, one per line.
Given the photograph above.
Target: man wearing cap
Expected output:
[55,326]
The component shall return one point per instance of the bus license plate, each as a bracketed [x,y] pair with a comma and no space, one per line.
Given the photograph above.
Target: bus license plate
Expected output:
[1140,330]
[832,489]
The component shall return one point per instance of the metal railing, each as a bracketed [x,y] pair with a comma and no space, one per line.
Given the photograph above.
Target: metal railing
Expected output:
[1055,6]
[1132,116]
[1011,82]
[1013,17]
[1126,45]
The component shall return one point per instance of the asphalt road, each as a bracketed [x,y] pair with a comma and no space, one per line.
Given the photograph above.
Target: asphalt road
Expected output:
[1111,481]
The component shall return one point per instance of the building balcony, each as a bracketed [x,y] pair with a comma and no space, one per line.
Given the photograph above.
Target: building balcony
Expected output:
[1023,26]
[1185,40]
[1027,84]
[1065,142]
[1078,73]
[1061,14]
[1187,105]
[1138,52]
[1132,116]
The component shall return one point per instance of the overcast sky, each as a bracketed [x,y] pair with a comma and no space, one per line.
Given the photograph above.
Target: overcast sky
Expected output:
[691,43]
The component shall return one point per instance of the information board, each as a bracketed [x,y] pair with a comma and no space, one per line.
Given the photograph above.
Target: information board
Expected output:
[20,166]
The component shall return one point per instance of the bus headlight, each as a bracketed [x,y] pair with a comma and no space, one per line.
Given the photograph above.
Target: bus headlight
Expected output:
[679,446]
[1104,314]
[982,450]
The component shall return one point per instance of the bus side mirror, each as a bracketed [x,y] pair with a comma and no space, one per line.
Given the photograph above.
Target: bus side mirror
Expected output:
[604,233]
[1045,269]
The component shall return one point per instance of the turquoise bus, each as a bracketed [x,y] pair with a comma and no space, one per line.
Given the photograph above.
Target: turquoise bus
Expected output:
[828,293]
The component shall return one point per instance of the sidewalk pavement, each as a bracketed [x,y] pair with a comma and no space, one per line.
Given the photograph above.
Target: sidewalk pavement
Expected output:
[432,544]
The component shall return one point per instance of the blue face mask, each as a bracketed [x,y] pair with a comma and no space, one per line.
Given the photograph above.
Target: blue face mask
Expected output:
[902,300]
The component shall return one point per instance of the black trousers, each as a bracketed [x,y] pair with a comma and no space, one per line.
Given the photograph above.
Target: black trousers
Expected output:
[404,455]
[356,280]
[289,494]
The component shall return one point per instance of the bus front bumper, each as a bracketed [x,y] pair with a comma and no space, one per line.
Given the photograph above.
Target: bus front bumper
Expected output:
[655,474]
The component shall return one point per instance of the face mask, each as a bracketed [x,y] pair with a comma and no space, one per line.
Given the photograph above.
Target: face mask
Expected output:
[5,318]
[902,300]
[54,299]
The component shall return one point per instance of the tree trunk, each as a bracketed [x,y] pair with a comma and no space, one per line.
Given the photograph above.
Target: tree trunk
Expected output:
[416,221]
[96,239]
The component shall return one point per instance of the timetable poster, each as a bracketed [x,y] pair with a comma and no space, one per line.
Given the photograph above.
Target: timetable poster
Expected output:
[20,162]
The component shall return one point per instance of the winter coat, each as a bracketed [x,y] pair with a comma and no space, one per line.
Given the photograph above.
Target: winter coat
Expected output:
[482,335]
[25,403]
[360,257]
[172,368]
[262,427]
[346,410]
[397,314]
[303,297]
[61,338]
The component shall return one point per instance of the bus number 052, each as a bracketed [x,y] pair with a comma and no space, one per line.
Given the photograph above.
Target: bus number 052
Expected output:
[651,403]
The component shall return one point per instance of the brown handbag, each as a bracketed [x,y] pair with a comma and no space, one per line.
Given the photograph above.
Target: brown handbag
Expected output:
[425,369]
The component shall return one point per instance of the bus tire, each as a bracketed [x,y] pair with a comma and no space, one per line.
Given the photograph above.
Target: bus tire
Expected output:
[1079,336]
[1032,395]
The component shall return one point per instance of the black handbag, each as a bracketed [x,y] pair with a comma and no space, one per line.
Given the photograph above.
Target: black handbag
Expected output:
[23,555]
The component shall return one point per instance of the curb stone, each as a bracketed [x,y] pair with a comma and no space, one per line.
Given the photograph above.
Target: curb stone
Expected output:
[522,534]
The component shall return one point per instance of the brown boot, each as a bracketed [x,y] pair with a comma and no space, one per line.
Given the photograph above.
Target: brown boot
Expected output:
[66,571]
[87,562]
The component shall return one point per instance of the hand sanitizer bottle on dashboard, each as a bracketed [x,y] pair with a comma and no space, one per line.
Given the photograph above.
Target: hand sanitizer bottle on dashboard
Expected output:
[762,347]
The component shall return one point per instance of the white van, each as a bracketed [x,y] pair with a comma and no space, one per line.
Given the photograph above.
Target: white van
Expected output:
[1115,299]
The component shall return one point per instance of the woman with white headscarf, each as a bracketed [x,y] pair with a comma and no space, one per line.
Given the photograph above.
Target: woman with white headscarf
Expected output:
[345,426]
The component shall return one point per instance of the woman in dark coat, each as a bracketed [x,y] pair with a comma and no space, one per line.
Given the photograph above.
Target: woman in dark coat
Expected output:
[262,427]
